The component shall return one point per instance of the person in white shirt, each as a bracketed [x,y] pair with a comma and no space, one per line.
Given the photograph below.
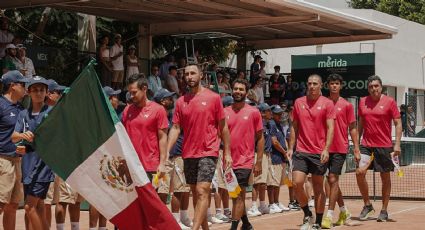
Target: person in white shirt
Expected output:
[132,62]
[5,36]
[116,54]
[258,89]
[23,63]
[105,61]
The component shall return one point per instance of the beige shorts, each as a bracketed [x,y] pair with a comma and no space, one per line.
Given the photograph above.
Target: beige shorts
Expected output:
[11,189]
[53,193]
[274,177]
[66,194]
[285,177]
[262,179]
[220,172]
[174,174]
[118,76]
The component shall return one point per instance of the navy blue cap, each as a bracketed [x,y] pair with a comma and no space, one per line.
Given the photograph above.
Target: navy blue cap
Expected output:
[37,80]
[13,76]
[227,100]
[277,109]
[111,92]
[54,86]
[263,107]
[161,94]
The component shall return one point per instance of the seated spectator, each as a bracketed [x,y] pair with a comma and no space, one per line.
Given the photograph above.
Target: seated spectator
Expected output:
[225,83]
[258,89]
[5,36]
[281,76]
[262,70]
[23,63]
[10,59]
[241,75]
[164,68]
[290,91]
[255,69]
[132,62]
[182,63]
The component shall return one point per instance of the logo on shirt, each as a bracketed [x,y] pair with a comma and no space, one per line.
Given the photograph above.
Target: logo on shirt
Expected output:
[204,103]
[146,115]
[12,114]
[339,109]
[381,107]
[319,107]
[245,117]
[115,173]
[227,117]
[303,106]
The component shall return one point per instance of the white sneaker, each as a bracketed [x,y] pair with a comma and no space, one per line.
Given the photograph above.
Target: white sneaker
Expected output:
[274,209]
[187,221]
[253,211]
[184,227]
[327,202]
[209,224]
[264,210]
[283,207]
[311,203]
[214,220]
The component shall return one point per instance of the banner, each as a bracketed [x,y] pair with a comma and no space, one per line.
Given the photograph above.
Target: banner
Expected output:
[354,68]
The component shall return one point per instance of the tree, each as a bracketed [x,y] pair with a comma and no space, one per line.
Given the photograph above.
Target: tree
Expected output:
[412,10]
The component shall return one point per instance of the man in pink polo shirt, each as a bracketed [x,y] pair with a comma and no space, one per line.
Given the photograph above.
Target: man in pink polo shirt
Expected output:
[376,112]
[313,127]
[245,126]
[146,124]
[344,121]
[200,115]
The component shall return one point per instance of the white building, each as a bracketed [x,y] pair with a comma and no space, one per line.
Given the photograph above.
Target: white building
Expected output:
[399,61]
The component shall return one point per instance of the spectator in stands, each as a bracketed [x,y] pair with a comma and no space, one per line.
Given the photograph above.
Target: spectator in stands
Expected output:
[23,63]
[255,69]
[226,82]
[262,70]
[282,80]
[241,75]
[403,116]
[275,89]
[17,40]
[154,81]
[164,68]
[182,63]
[289,95]
[116,54]
[181,82]
[258,89]
[5,36]
[8,62]
[411,121]
[132,62]
[105,61]
[171,80]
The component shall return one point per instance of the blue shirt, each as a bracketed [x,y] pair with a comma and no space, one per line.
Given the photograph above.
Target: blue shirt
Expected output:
[267,137]
[8,116]
[277,131]
[177,148]
[33,168]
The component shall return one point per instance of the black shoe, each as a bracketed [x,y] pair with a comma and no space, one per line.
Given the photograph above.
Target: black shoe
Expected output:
[247,227]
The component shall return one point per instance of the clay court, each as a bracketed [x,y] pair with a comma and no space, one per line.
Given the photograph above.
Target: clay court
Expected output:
[403,213]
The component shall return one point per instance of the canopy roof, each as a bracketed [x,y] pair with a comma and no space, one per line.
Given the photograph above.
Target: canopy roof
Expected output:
[263,24]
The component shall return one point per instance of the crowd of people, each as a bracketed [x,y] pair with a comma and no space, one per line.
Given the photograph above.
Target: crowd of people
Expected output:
[189,137]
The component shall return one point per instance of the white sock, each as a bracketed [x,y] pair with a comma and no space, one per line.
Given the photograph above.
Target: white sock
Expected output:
[60,226]
[92,228]
[183,214]
[218,211]
[226,210]
[342,209]
[176,216]
[75,225]
[263,204]
[209,212]
[330,213]
[254,204]
[102,228]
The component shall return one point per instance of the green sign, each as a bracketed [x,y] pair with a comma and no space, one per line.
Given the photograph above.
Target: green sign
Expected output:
[354,68]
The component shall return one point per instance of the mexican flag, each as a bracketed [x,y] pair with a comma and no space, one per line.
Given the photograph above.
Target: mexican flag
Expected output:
[83,141]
